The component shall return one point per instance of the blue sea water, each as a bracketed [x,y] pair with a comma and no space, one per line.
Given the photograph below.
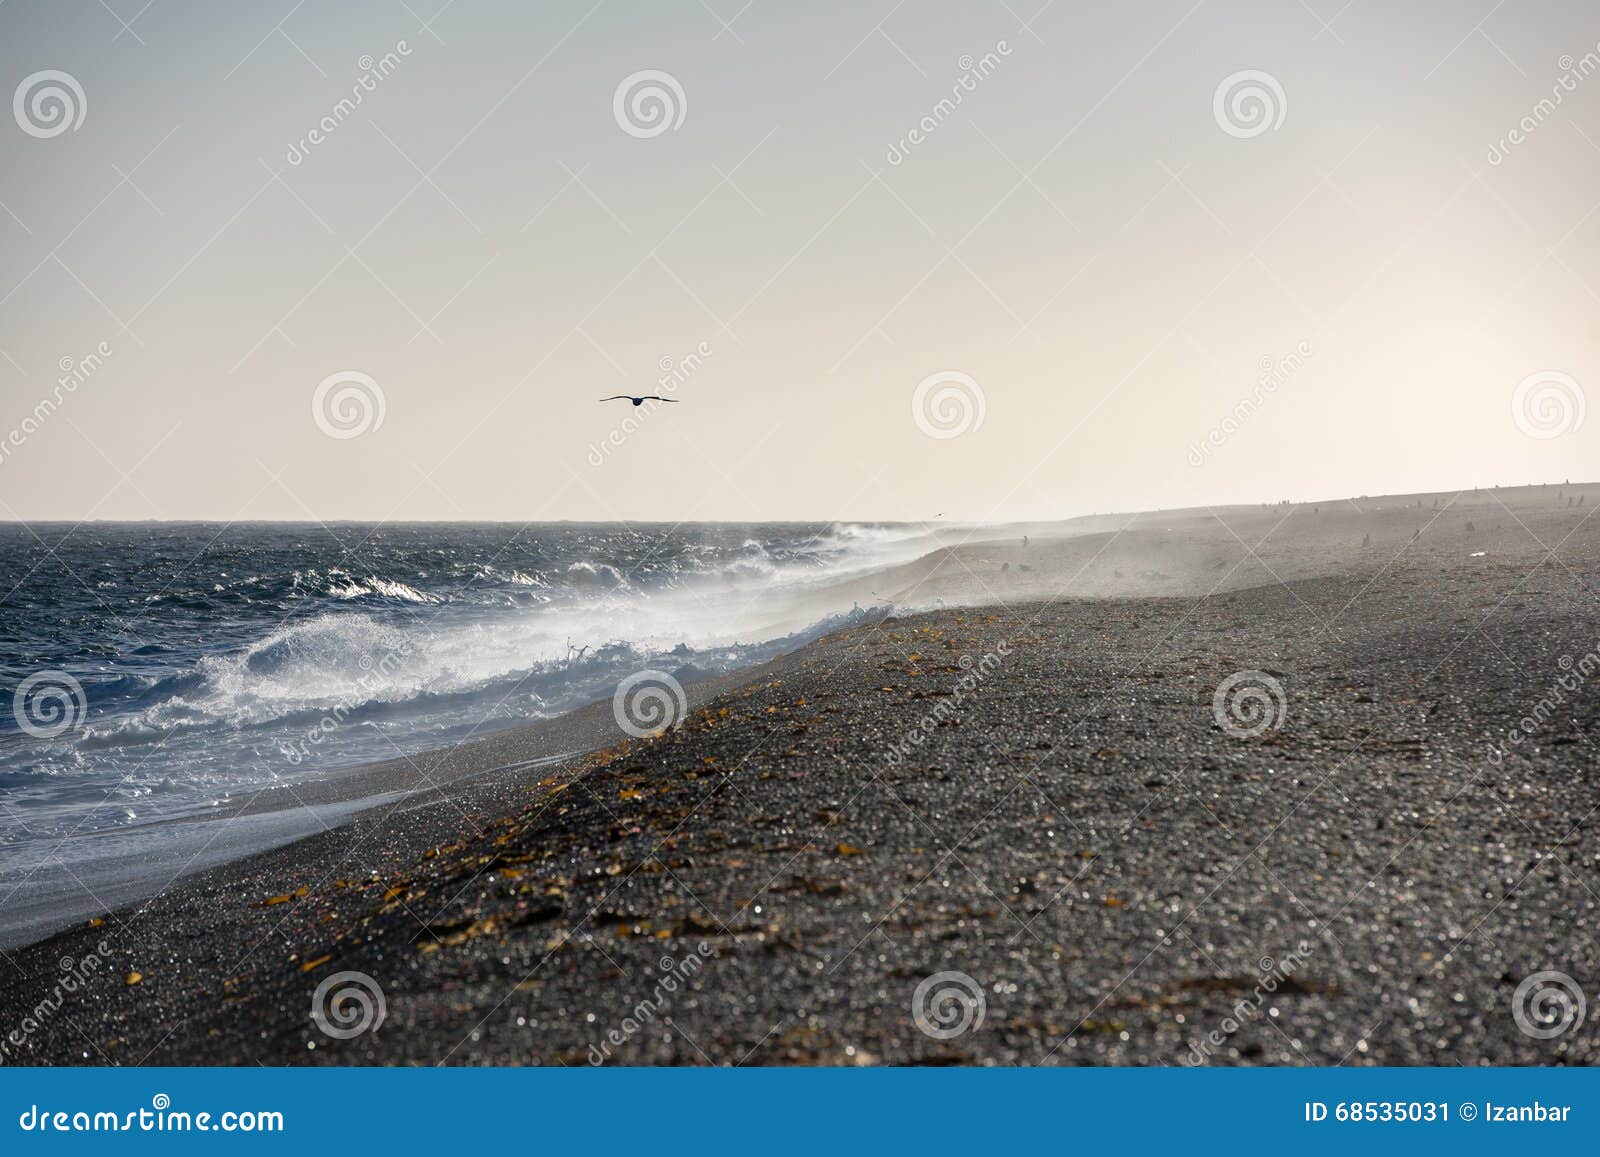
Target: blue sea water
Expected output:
[219,661]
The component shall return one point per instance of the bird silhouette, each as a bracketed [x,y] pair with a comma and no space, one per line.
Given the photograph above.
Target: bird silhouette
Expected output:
[639,401]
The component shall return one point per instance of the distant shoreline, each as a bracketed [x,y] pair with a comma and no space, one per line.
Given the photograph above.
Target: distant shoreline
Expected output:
[953,523]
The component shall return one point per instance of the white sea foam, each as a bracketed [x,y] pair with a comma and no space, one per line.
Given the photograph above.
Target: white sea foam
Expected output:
[373,585]
[378,663]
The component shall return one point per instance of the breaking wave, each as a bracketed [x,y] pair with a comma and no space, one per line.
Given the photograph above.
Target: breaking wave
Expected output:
[204,662]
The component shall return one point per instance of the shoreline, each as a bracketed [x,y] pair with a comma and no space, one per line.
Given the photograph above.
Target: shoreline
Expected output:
[1075,834]
[81,874]
[289,814]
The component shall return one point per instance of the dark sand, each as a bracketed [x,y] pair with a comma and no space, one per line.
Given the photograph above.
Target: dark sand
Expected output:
[1075,832]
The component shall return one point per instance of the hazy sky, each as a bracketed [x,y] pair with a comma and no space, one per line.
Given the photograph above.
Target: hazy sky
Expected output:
[1105,245]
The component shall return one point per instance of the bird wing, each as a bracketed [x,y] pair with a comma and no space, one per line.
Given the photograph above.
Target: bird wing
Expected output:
[618,397]
[659,398]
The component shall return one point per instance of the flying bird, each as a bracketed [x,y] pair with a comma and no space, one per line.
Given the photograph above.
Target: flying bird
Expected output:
[639,401]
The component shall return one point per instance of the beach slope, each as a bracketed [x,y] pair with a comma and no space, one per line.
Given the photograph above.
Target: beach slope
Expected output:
[1271,785]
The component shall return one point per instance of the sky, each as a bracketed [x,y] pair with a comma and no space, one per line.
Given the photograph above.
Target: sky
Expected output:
[985,261]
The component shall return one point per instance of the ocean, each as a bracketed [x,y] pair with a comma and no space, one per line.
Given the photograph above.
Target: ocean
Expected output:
[153,672]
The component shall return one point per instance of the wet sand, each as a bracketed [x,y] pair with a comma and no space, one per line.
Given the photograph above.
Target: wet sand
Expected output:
[1021,779]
